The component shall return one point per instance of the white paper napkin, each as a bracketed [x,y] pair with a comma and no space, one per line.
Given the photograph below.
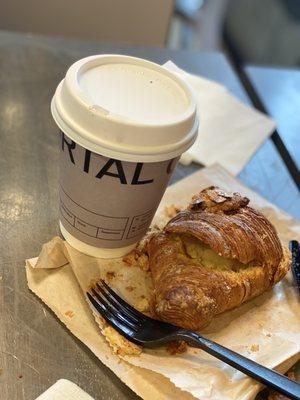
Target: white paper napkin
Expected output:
[64,390]
[229,132]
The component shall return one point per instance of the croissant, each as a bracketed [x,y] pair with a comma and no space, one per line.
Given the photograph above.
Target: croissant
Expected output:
[212,257]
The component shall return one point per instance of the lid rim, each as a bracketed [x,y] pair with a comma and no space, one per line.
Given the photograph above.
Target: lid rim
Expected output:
[155,153]
[81,121]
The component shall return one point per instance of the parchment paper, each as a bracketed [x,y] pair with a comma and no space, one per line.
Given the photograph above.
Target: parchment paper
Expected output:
[266,329]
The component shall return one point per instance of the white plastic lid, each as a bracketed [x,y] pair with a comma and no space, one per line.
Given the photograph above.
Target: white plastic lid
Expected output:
[126,108]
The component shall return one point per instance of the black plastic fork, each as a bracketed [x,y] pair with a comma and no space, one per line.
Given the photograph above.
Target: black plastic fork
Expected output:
[148,332]
[295,250]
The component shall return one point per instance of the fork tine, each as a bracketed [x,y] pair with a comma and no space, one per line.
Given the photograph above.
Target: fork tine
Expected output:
[123,303]
[111,319]
[118,306]
[113,311]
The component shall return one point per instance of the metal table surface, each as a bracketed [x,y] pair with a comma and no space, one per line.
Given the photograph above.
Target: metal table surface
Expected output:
[35,348]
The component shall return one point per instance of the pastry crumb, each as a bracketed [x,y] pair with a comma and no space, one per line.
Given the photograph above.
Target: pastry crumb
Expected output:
[130,288]
[130,258]
[100,320]
[110,275]
[137,258]
[268,334]
[254,348]
[143,305]
[177,347]
[120,345]
[171,210]
[70,313]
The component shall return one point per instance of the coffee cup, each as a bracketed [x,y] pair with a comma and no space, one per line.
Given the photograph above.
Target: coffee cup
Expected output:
[124,122]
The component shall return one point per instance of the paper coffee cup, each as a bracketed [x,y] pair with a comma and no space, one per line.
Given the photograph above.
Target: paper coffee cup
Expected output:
[124,123]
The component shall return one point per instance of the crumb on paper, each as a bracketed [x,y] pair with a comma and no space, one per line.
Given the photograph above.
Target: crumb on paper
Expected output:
[94,283]
[130,258]
[143,305]
[254,348]
[177,347]
[20,376]
[130,288]
[70,313]
[137,258]
[119,343]
[110,275]
[268,334]
[171,210]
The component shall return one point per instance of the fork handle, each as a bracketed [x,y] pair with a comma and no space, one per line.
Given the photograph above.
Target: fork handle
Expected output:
[260,373]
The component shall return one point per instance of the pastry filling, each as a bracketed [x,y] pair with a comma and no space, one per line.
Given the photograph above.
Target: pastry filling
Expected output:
[205,256]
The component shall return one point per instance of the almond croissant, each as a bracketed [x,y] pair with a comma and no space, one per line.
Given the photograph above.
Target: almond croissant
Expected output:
[212,257]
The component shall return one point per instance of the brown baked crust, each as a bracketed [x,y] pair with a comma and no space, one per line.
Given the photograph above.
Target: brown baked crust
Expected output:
[189,294]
